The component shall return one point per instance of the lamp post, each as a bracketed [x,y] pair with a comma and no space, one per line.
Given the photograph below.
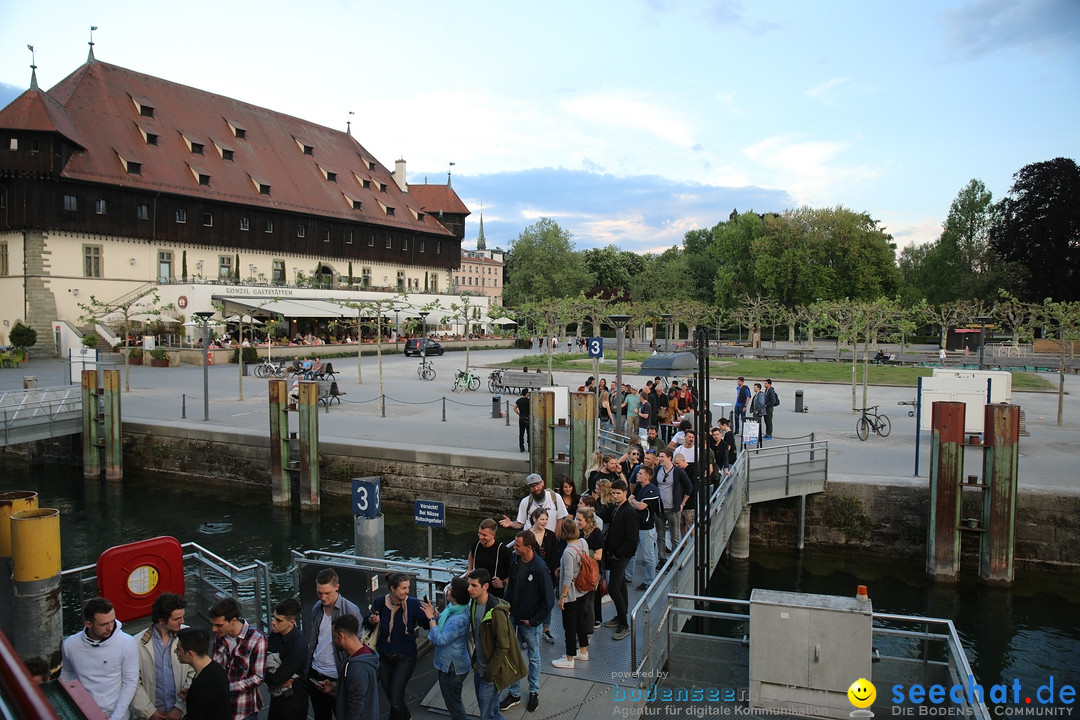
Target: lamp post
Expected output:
[423,318]
[666,317]
[205,316]
[983,321]
[397,327]
[619,321]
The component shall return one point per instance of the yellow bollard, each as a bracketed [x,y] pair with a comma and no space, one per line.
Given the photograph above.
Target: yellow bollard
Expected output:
[35,550]
[10,503]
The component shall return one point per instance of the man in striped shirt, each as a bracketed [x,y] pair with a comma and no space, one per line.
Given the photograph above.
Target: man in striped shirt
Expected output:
[241,650]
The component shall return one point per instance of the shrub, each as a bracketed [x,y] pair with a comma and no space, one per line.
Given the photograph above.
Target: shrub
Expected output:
[159,353]
[251,355]
[22,336]
[90,341]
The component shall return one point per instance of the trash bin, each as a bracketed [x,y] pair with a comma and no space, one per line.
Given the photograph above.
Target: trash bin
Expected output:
[496,403]
[29,381]
[799,401]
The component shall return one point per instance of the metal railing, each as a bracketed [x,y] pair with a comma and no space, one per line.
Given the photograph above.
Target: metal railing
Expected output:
[787,470]
[433,577]
[39,413]
[708,641]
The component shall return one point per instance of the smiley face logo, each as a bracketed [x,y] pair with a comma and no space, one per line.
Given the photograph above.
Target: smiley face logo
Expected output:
[862,693]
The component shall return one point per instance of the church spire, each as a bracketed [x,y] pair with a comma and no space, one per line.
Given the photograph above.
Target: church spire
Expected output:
[33,68]
[90,56]
[481,244]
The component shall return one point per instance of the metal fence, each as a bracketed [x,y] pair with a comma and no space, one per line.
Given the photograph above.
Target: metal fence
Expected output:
[39,413]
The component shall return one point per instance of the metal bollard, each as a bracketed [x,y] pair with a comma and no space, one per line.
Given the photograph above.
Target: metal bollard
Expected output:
[444,408]
[507,413]
[383,403]
[35,545]
[183,406]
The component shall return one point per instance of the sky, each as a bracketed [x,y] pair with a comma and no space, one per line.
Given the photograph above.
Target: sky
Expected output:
[628,122]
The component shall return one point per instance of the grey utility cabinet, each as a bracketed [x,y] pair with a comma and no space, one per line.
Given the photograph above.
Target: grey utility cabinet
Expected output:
[806,650]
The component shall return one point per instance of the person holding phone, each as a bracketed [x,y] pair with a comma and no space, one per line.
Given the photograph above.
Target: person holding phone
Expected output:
[448,632]
[397,615]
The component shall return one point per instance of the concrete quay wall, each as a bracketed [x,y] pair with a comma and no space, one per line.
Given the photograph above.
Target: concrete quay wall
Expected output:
[467,483]
[891,520]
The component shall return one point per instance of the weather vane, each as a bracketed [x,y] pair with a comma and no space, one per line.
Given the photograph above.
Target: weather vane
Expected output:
[348,124]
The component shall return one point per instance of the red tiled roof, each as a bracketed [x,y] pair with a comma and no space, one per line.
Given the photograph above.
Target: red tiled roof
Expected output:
[434,198]
[34,110]
[102,103]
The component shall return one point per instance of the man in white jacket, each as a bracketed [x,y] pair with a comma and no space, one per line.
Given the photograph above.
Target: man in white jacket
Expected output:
[161,674]
[103,659]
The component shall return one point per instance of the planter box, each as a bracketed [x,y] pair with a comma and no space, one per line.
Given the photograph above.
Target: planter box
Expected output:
[135,361]
[163,362]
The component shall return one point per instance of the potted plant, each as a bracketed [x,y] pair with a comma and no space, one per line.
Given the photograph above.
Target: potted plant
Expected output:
[135,356]
[90,341]
[21,337]
[159,358]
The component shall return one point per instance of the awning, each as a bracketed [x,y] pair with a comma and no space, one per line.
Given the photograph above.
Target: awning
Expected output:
[668,364]
[288,307]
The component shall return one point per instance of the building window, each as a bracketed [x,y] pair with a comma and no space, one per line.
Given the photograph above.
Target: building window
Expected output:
[371,240]
[71,203]
[434,282]
[370,165]
[208,219]
[269,226]
[134,168]
[142,212]
[196,148]
[404,244]
[92,261]
[181,216]
[365,277]
[101,207]
[389,242]
[438,247]
[226,154]
[331,176]
[301,231]
[204,179]
[13,144]
[423,245]
[366,184]
[278,275]
[400,280]
[326,236]
[146,111]
[355,204]
[3,259]
[308,150]
[165,273]
[348,237]
[224,266]
[244,224]
[264,189]
[241,133]
[151,139]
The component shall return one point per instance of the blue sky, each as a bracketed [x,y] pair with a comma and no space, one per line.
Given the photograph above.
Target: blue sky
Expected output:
[628,122]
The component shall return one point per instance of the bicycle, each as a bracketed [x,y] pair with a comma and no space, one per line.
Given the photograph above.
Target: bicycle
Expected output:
[495,381]
[425,370]
[872,420]
[267,369]
[465,380]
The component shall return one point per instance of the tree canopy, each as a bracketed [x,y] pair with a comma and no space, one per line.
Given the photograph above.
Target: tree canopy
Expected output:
[542,264]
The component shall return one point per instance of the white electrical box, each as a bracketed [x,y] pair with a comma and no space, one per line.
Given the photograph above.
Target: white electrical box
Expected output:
[806,651]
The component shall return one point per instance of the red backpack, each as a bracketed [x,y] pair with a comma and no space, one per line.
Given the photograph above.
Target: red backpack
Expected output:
[588,576]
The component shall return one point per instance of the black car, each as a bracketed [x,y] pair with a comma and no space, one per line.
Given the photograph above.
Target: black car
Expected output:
[430,347]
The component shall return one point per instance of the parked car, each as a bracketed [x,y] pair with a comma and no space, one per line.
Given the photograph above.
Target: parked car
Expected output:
[430,347]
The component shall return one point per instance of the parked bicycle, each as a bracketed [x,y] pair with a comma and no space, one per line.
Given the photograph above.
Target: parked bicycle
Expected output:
[465,380]
[872,420]
[495,381]
[267,369]
[425,370]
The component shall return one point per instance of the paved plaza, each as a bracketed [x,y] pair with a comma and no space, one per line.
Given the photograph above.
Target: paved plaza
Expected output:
[415,411]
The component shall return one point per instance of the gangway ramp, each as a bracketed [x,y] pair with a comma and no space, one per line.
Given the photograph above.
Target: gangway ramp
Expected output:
[39,414]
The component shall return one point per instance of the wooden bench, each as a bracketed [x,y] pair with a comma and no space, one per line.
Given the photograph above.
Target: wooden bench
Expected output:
[516,381]
[329,392]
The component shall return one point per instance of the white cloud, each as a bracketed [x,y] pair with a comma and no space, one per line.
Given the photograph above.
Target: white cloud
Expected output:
[631,114]
[826,91]
[808,168]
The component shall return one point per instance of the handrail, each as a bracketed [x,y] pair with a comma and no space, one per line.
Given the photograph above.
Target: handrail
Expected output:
[19,688]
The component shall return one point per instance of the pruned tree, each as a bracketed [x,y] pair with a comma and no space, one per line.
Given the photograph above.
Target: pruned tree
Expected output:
[121,313]
[371,313]
[1062,322]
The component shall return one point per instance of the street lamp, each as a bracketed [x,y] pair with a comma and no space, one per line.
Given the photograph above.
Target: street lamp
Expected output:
[666,317]
[423,318]
[205,316]
[983,321]
[619,321]
[397,327]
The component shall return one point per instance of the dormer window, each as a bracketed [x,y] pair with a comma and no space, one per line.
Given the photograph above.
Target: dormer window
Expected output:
[237,129]
[146,111]
[331,176]
[196,148]
[143,106]
[261,186]
[226,154]
[264,189]
[134,168]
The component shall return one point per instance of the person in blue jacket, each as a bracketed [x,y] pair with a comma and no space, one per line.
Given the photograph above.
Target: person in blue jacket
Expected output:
[448,632]
[397,615]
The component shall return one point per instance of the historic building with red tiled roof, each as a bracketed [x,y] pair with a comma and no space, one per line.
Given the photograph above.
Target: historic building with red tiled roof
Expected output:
[114,181]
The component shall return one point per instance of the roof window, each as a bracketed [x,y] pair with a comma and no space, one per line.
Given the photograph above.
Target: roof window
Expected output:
[237,129]
[304,147]
[261,186]
[144,106]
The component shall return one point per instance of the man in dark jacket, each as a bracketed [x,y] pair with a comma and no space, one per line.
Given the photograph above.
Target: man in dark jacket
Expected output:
[771,401]
[621,545]
[357,685]
[531,596]
[675,492]
[286,663]
[495,665]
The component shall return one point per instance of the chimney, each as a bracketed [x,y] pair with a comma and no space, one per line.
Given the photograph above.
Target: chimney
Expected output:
[399,175]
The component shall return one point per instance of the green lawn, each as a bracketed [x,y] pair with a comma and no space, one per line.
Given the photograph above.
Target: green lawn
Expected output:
[779,370]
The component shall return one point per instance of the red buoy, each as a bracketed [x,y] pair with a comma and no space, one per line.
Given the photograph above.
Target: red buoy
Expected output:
[133,575]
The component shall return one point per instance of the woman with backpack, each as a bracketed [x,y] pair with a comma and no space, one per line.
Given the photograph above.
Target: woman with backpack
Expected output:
[577,572]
